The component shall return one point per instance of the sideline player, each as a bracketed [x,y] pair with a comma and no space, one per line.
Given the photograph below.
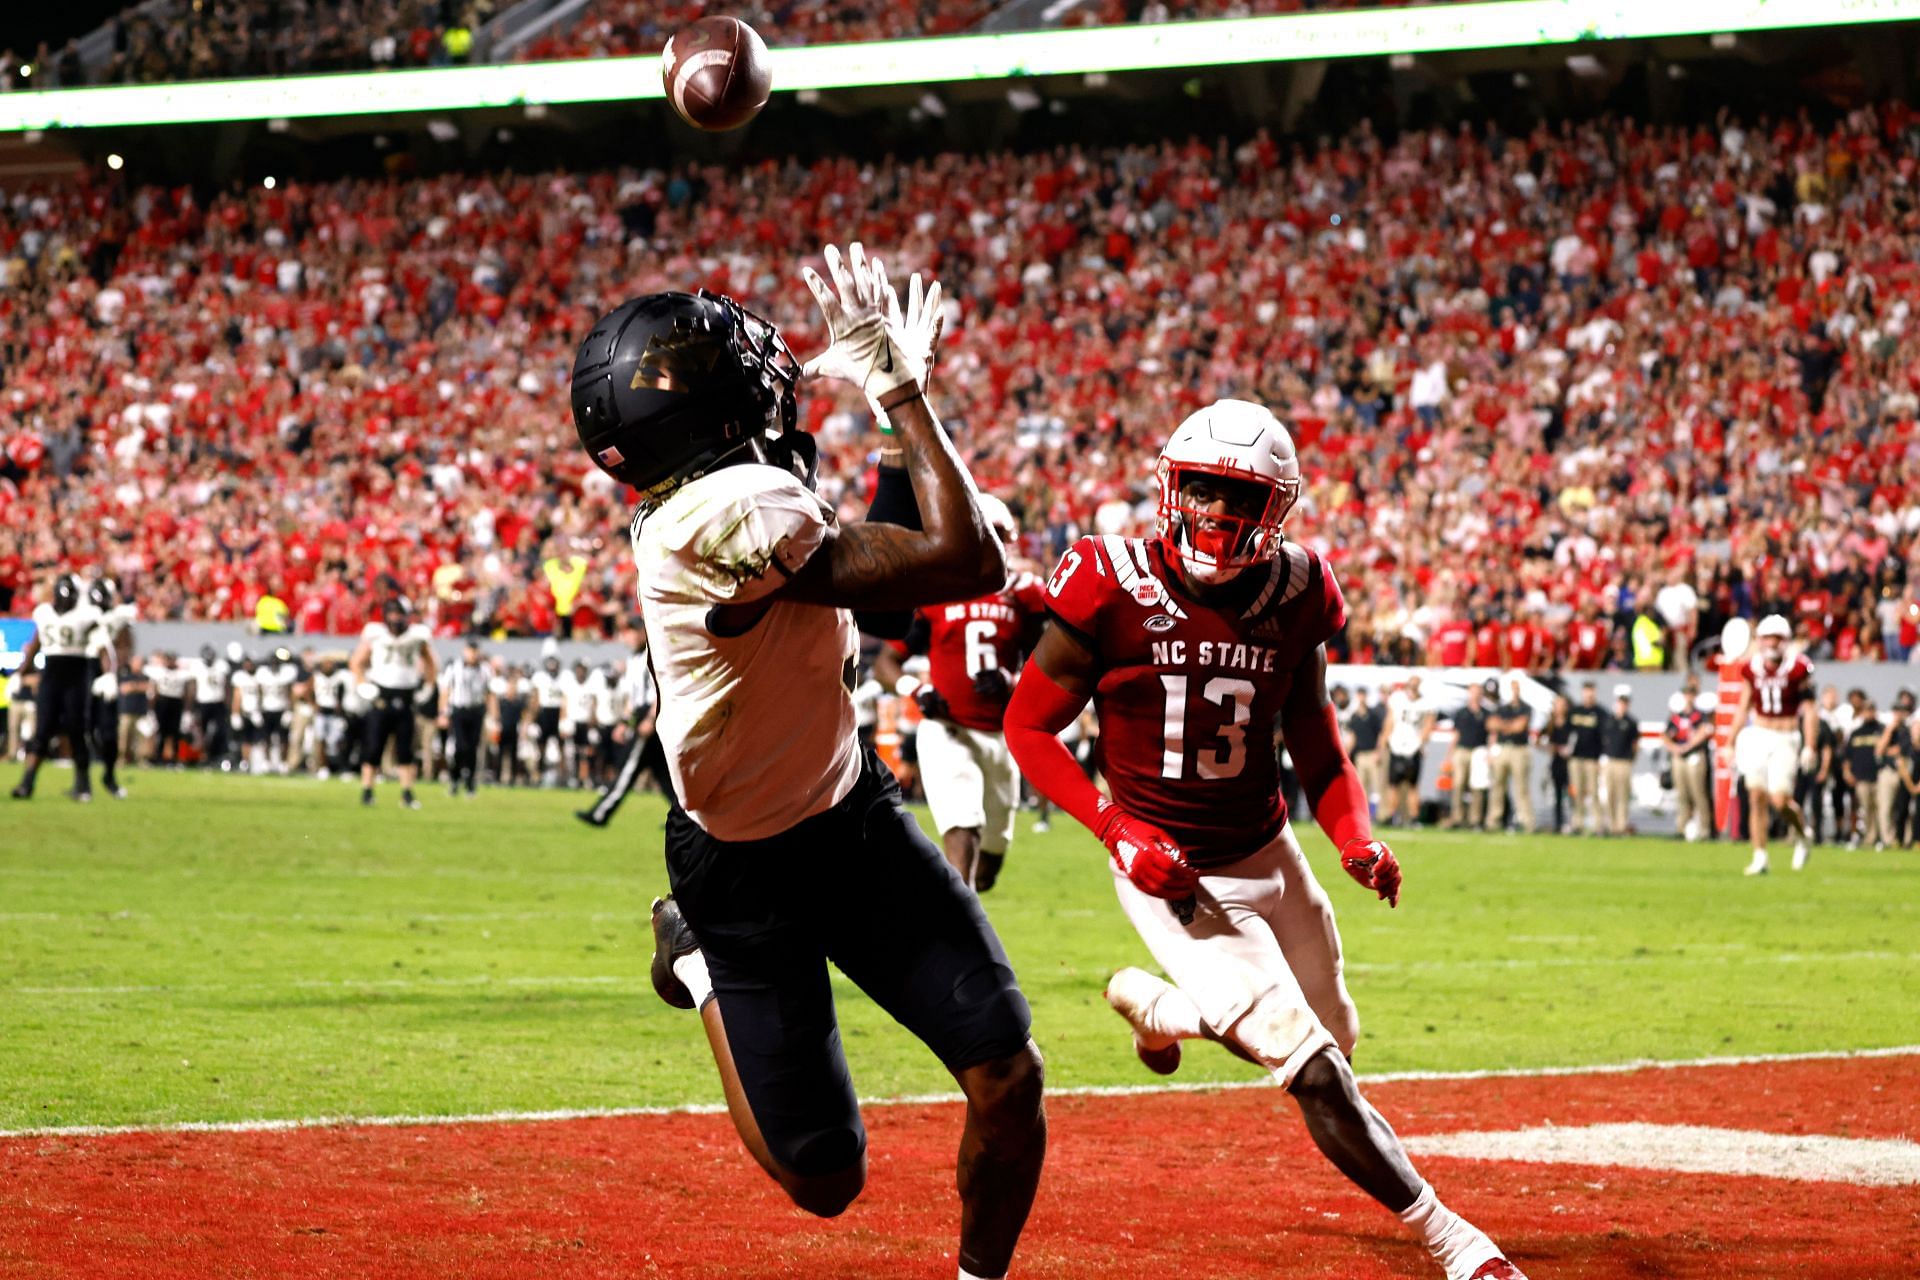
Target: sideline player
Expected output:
[789,846]
[974,650]
[391,665]
[1192,645]
[113,631]
[1774,728]
[63,631]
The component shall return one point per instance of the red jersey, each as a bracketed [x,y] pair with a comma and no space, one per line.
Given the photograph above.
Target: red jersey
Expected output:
[1525,643]
[1450,641]
[1486,645]
[965,639]
[1777,691]
[1589,645]
[1189,693]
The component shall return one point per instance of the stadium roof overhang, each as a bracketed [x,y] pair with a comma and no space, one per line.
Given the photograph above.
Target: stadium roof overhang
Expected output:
[1500,24]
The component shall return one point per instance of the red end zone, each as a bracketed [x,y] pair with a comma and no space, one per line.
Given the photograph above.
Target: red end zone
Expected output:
[1201,1185]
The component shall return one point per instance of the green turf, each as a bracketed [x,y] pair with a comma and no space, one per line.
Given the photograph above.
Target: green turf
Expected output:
[225,948]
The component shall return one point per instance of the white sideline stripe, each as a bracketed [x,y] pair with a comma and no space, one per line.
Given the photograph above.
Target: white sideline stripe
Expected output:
[639,983]
[922,1099]
[1689,1148]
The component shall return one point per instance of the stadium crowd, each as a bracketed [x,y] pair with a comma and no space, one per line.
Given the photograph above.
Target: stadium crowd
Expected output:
[162,41]
[1568,398]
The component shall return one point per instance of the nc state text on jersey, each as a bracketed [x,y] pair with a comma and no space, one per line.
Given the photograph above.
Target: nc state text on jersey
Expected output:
[1214,653]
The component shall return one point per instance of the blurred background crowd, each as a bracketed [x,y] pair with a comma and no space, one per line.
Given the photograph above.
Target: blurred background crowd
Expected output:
[1565,398]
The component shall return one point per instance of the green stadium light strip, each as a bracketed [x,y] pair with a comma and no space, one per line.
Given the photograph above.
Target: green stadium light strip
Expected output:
[1436,28]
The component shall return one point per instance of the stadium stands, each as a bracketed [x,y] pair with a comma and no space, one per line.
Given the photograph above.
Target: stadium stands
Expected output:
[160,41]
[1612,370]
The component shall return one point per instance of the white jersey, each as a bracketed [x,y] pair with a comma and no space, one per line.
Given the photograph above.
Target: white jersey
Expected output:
[276,686]
[577,694]
[328,689]
[65,635]
[757,723]
[211,680]
[393,662]
[351,703]
[246,684]
[169,682]
[547,692]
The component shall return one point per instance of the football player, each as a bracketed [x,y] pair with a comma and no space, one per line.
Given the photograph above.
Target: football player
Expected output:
[391,667]
[1192,644]
[789,847]
[63,632]
[1774,728]
[113,631]
[974,650]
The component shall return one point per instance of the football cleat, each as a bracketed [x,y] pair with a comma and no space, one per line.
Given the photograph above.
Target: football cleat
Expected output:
[408,802]
[1758,867]
[21,793]
[1130,993]
[1497,1269]
[1800,852]
[586,816]
[671,940]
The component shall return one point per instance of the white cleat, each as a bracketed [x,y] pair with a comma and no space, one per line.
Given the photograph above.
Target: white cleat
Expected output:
[1800,852]
[1758,867]
[1131,993]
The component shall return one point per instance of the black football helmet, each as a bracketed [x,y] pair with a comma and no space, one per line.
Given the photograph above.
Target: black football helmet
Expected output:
[670,385]
[66,593]
[101,594]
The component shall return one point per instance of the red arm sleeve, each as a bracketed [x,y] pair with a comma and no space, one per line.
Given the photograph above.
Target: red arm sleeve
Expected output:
[1327,777]
[1040,709]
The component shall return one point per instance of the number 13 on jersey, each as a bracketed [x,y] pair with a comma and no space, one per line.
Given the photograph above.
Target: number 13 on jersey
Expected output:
[1226,754]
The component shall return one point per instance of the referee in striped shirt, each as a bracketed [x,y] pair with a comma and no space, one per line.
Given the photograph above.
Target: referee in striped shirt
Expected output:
[464,715]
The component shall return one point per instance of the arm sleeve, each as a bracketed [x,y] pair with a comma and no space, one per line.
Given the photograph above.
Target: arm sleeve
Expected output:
[737,539]
[893,503]
[1040,709]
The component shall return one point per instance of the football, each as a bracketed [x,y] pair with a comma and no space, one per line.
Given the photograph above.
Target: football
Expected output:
[716,73]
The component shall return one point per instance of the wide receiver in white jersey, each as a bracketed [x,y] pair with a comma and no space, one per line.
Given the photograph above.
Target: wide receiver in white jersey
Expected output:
[391,666]
[63,630]
[789,846]
[113,631]
[1774,729]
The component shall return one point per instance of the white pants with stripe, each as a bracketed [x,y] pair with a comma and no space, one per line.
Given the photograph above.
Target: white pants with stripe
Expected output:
[970,781]
[1262,932]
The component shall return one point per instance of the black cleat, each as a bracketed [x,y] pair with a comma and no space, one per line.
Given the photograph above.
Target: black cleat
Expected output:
[21,793]
[81,797]
[586,816]
[366,799]
[671,940]
[408,802]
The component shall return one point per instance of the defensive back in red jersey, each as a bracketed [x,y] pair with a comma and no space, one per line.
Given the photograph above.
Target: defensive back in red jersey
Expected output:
[1188,693]
[1778,691]
[965,639]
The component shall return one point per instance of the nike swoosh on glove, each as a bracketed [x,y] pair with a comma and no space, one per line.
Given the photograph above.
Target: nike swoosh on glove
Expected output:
[861,348]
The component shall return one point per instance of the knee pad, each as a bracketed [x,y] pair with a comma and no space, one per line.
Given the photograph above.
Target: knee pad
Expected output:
[1281,1033]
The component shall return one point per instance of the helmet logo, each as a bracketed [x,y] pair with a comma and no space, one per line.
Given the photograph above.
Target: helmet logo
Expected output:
[611,456]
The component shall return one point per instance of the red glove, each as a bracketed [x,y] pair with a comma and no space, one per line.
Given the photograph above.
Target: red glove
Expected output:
[1374,866]
[1147,854]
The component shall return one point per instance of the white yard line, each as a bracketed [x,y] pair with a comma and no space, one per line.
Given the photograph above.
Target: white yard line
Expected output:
[1688,1148]
[1079,1091]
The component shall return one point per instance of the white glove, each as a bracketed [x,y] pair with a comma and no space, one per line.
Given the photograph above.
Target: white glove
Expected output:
[860,347]
[918,331]
[1809,760]
[368,691]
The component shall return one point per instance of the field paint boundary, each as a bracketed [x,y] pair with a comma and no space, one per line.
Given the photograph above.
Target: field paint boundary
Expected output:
[925,1099]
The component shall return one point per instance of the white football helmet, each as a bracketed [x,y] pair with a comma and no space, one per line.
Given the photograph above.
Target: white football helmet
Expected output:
[1772,635]
[1242,443]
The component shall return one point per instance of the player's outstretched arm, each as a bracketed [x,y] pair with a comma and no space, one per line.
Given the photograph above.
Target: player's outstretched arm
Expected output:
[1050,695]
[1331,784]
[954,555]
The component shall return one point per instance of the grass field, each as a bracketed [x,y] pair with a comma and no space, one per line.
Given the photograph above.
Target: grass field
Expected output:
[228,948]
